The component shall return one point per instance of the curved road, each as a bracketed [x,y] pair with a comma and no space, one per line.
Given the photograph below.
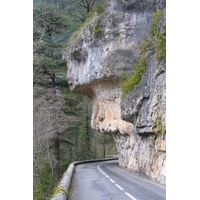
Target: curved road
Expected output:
[106,181]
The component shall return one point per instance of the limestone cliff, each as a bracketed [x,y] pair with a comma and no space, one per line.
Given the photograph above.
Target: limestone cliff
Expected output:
[95,66]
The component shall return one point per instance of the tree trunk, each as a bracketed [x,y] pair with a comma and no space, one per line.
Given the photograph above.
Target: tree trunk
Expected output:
[56,142]
[57,156]
[104,148]
[88,132]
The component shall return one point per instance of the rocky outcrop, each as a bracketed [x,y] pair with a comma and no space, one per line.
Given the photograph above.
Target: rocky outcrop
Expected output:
[145,108]
[95,66]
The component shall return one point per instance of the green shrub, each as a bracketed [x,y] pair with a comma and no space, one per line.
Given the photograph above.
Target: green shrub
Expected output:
[156,43]
[96,30]
[100,8]
[128,82]
[158,31]
[43,183]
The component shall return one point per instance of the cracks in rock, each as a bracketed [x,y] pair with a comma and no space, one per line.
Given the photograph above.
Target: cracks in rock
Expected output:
[146,134]
[160,71]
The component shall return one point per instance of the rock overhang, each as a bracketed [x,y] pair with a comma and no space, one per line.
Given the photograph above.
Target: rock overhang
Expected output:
[110,54]
[95,66]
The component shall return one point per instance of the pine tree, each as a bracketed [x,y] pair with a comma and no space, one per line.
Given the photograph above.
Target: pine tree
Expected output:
[48,24]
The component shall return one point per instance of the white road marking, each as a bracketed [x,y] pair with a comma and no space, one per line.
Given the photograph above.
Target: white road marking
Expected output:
[130,196]
[115,184]
[119,187]
[112,180]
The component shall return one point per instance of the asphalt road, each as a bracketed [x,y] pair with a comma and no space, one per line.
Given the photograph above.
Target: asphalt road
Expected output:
[106,181]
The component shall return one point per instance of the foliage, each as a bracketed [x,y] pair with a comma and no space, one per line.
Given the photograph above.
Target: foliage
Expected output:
[77,140]
[160,126]
[156,43]
[96,30]
[99,9]
[48,25]
[91,15]
[79,9]
[128,82]
[58,114]
[43,182]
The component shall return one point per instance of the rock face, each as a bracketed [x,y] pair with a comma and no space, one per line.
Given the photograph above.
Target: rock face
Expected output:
[95,66]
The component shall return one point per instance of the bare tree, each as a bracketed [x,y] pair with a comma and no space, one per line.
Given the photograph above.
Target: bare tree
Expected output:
[79,9]
[49,124]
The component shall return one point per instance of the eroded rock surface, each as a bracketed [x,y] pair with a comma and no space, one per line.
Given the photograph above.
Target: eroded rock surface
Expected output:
[95,66]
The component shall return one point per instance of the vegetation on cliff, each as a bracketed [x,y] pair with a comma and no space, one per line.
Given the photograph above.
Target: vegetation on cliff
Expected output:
[93,13]
[160,127]
[129,82]
[96,30]
[154,44]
